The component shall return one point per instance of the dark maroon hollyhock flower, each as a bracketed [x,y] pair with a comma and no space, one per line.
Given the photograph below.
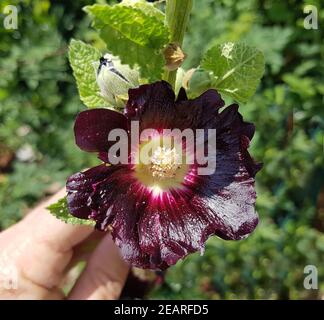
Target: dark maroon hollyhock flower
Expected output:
[156,229]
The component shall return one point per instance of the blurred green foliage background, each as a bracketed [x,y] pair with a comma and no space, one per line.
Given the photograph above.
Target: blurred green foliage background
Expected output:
[39,100]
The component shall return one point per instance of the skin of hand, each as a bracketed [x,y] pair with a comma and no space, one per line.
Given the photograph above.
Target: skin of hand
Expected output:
[37,252]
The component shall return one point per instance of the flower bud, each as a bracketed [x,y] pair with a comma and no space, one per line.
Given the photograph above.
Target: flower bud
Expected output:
[114,79]
[174,56]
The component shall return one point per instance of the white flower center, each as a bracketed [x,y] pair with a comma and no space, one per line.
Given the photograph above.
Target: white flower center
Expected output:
[162,167]
[164,163]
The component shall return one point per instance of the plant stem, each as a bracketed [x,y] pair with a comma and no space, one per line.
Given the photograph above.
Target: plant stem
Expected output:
[177,17]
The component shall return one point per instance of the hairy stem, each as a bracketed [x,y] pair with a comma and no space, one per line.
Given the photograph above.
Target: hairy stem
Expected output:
[177,17]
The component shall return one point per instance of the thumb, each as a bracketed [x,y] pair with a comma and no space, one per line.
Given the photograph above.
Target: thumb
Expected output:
[104,276]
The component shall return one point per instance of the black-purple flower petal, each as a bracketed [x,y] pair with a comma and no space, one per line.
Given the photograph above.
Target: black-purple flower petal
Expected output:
[155,231]
[92,127]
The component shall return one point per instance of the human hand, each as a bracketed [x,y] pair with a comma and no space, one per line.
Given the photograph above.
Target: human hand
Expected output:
[37,252]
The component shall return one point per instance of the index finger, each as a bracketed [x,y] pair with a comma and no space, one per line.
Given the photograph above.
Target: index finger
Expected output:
[39,248]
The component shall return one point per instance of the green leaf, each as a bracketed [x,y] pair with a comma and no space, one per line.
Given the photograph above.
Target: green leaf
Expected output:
[236,69]
[198,81]
[303,86]
[135,36]
[147,7]
[61,211]
[81,57]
